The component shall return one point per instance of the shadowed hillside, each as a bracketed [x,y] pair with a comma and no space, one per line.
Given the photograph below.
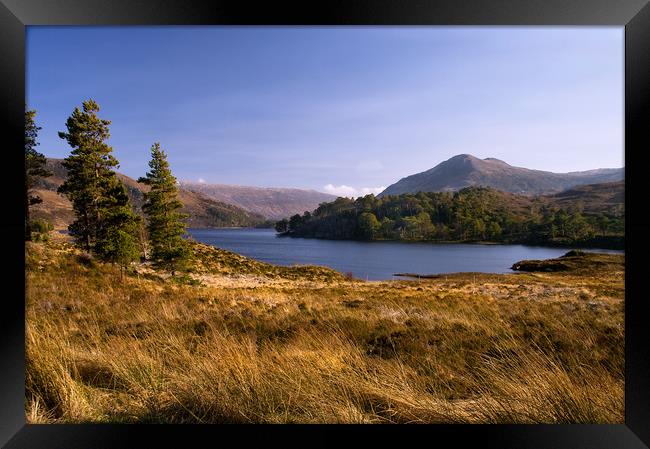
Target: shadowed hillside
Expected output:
[608,197]
[203,212]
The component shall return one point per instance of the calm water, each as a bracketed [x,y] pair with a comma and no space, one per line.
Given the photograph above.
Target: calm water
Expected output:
[373,260]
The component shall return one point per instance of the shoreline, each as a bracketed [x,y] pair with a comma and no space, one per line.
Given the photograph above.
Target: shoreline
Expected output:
[436,242]
[62,235]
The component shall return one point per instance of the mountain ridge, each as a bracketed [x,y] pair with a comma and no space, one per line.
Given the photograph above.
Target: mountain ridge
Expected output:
[466,170]
[270,202]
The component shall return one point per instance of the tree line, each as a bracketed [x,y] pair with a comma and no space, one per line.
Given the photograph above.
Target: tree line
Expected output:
[473,214]
[105,223]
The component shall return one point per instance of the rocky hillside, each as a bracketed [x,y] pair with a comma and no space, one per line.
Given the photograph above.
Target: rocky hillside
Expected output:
[203,212]
[270,202]
[466,170]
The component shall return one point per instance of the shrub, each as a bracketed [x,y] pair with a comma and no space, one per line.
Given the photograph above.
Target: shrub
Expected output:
[40,230]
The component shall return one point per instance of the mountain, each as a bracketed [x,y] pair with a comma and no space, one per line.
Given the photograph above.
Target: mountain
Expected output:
[271,202]
[465,170]
[203,212]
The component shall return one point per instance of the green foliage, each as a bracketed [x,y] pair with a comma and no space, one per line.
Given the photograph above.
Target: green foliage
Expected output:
[99,200]
[120,247]
[472,214]
[41,226]
[282,226]
[164,223]
[34,167]
[296,221]
[494,231]
[369,226]
[40,230]
[186,279]
[117,240]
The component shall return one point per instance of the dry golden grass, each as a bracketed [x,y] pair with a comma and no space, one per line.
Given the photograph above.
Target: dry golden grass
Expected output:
[240,341]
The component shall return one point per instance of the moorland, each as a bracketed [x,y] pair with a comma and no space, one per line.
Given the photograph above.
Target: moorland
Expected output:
[234,340]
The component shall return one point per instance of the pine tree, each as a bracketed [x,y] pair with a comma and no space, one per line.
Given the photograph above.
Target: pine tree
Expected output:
[34,167]
[165,224]
[103,211]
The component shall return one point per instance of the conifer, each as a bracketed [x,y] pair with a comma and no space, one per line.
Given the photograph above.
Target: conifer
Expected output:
[34,167]
[165,224]
[105,223]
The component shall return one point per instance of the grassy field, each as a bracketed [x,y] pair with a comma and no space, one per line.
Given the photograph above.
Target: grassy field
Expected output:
[240,341]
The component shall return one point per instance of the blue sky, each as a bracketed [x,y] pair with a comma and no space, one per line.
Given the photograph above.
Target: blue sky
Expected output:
[346,110]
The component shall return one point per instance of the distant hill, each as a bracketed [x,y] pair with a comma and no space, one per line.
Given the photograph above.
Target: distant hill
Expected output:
[270,202]
[466,170]
[203,211]
[607,197]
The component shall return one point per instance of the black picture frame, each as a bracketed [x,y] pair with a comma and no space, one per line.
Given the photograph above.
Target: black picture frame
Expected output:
[634,15]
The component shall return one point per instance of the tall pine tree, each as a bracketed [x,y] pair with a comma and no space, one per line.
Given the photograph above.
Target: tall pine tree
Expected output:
[165,224]
[105,223]
[34,167]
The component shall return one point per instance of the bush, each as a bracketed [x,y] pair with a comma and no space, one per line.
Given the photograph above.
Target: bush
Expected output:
[185,279]
[40,230]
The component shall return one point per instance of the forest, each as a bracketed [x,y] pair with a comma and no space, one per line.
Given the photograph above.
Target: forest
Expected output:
[473,214]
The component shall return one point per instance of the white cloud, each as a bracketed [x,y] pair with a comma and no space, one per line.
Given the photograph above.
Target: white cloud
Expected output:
[374,190]
[341,190]
[201,181]
[351,192]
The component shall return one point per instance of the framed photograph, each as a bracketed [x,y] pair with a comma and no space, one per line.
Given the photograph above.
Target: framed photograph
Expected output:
[329,218]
